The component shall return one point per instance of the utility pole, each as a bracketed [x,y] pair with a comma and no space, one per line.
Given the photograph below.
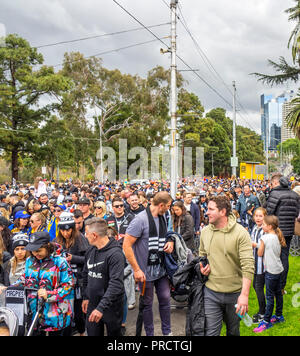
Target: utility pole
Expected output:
[173,104]
[234,158]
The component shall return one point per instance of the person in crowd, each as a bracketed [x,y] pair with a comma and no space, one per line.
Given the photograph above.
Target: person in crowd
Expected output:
[259,272]
[100,210]
[285,204]
[147,259]
[52,276]
[6,234]
[193,209]
[16,205]
[120,219]
[79,221]
[270,248]
[40,187]
[37,223]
[134,204]
[15,267]
[245,206]
[183,224]
[4,257]
[222,291]
[21,223]
[75,246]
[44,199]
[84,205]
[103,286]
[52,227]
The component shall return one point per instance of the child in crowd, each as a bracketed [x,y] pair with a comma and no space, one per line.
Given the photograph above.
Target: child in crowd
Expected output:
[270,247]
[259,272]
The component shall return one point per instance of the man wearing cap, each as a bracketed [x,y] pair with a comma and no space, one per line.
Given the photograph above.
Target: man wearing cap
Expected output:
[84,205]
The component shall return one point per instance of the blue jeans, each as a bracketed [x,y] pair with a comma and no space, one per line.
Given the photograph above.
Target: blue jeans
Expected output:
[273,291]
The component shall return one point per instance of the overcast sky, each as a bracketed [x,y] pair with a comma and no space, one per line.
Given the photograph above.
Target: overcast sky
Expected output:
[236,36]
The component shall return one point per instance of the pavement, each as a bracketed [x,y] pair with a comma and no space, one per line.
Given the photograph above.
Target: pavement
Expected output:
[178,317]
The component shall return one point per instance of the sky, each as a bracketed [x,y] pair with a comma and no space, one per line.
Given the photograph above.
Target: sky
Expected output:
[234,37]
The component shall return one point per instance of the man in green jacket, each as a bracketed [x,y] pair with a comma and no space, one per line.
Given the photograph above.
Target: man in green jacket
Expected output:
[227,246]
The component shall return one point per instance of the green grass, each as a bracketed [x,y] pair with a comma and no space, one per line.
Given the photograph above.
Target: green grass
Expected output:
[291,307]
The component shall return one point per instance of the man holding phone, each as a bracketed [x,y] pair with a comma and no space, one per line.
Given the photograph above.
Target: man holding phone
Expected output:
[227,246]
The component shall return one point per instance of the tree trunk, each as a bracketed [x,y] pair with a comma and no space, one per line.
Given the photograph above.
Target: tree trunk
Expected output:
[14,164]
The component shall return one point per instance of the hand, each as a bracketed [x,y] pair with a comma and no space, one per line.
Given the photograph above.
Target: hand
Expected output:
[205,270]
[84,306]
[139,276]
[42,293]
[95,316]
[242,305]
[169,247]
[2,289]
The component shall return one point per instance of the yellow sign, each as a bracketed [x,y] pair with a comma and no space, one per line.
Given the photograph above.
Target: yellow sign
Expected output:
[248,171]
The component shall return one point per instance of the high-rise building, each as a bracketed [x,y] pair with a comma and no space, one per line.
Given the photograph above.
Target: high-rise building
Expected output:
[271,118]
[286,132]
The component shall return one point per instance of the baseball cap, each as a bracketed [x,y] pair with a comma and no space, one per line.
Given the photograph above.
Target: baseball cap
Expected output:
[84,200]
[37,240]
[22,214]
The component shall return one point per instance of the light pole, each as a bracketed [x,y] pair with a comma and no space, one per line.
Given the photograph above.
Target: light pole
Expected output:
[173,104]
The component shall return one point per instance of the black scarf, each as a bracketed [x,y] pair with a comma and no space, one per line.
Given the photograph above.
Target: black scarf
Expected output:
[156,240]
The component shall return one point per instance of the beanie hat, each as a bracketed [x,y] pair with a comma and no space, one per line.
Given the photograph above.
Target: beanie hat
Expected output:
[20,240]
[66,221]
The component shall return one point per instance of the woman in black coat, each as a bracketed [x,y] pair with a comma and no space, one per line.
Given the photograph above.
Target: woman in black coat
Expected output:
[183,224]
[74,245]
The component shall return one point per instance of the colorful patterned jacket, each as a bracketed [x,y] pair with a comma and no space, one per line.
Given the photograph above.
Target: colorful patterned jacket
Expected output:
[55,275]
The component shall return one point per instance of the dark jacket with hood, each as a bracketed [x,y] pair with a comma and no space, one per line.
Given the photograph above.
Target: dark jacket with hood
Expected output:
[285,204]
[103,275]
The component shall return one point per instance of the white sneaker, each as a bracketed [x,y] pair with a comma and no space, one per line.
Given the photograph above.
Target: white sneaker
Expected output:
[131,306]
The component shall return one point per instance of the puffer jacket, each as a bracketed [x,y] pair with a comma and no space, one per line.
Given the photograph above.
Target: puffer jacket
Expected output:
[55,275]
[285,204]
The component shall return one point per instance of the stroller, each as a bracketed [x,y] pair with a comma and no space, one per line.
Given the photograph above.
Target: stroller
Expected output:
[16,302]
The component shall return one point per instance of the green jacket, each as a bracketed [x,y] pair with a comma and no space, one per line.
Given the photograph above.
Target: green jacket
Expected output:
[230,256]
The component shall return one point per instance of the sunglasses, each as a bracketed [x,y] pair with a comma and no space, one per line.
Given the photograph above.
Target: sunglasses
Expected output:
[98,207]
[57,210]
[118,206]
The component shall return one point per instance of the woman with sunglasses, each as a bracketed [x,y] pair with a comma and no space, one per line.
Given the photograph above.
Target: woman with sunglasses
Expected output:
[100,210]
[37,223]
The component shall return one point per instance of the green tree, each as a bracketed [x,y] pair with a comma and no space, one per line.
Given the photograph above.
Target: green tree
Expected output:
[22,87]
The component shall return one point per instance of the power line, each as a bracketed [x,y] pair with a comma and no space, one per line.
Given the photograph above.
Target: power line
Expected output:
[99,36]
[181,59]
[111,51]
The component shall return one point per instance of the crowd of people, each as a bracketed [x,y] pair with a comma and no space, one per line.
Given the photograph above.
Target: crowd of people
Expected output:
[85,249]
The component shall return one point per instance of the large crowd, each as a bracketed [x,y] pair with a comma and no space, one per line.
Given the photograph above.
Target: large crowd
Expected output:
[86,249]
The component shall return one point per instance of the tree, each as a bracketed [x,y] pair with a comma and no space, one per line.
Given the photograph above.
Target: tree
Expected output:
[22,87]
[285,71]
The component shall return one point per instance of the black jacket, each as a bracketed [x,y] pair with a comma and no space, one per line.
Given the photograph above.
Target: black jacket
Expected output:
[190,275]
[285,204]
[125,221]
[78,251]
[103,275]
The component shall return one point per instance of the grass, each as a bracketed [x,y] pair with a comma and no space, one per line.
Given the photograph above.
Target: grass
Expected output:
[291,307]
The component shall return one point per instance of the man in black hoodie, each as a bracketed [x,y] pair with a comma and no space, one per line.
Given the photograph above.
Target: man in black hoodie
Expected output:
[103,286]
[285,204]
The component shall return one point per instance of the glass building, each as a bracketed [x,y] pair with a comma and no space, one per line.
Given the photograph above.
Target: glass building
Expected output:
[271,118]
